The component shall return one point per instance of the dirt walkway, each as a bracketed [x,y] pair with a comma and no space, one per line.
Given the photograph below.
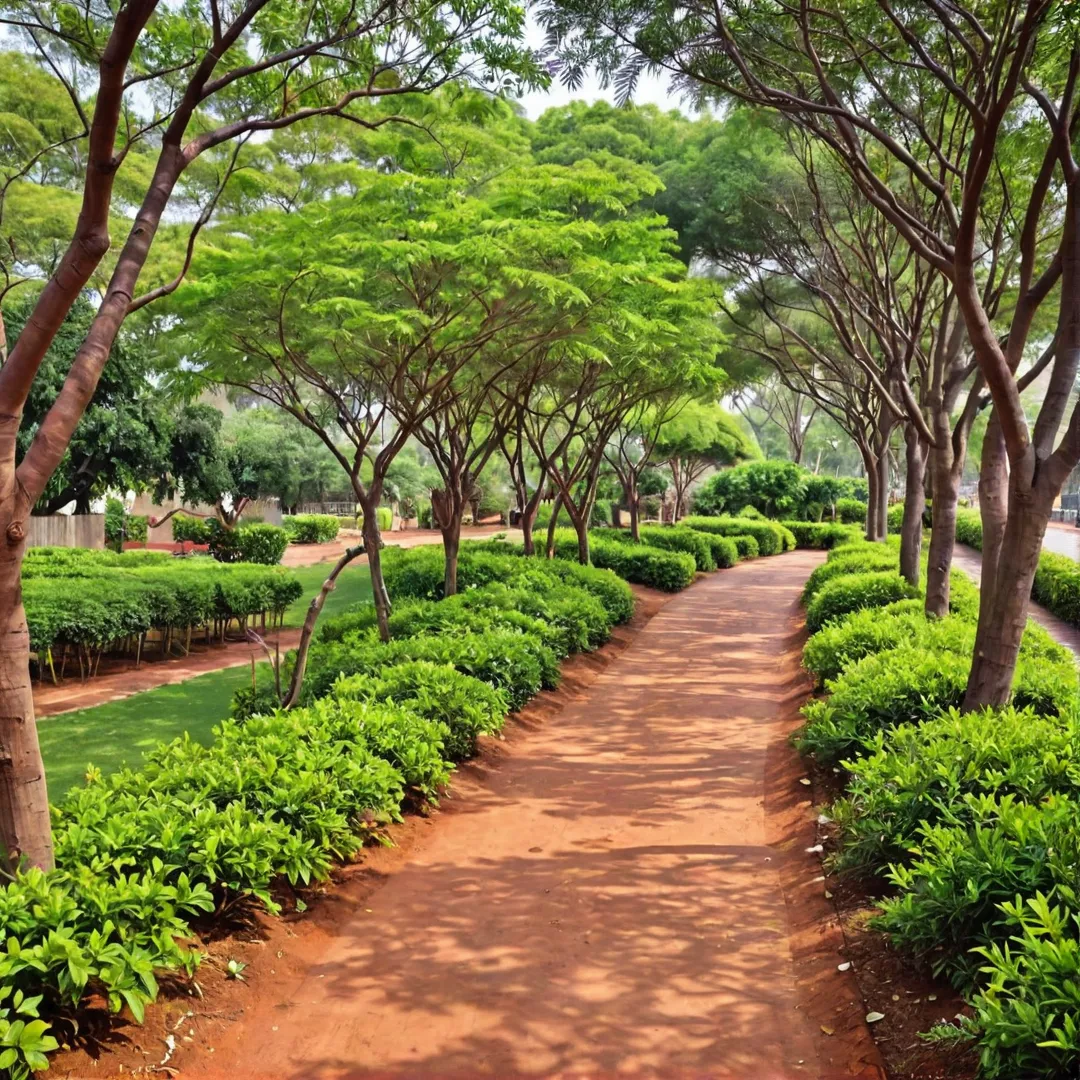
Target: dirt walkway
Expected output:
[628,892]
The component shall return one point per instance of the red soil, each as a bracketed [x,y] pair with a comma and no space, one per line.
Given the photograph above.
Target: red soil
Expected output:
[622,886]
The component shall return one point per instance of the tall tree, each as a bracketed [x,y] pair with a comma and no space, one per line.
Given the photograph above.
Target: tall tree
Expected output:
[174,86]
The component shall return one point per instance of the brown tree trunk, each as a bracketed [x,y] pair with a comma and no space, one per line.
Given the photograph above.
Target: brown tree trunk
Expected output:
[451,538]
[550,547]
[633,502]
[882,515]
[870,467]
[998,638]
[373,547]
[946,492]
[24,799]
[914,505]
[993,509]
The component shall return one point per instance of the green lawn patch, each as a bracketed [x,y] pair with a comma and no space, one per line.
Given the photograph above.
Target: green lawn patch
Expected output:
[353,586]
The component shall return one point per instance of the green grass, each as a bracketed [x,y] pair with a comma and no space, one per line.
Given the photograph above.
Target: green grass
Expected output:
[119,733]
[353,585]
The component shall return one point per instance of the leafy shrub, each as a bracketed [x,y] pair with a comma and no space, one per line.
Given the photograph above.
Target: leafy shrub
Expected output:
[910,684]
[851,592]
[937,770]
[121,527]
[674,538]
[774,488]
[186,527]
[751,512]
[746,547]
[819,535]
[465,707]
[1057,586]
[851,511]
[249,543]
[641,564]
[311,528]
[770,535]
[969,528]
[845,561]
[505,659]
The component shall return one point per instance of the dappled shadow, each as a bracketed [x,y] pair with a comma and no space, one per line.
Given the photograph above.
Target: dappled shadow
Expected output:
[606,901]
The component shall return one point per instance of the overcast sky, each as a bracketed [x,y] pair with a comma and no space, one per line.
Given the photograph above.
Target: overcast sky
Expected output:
[651,89]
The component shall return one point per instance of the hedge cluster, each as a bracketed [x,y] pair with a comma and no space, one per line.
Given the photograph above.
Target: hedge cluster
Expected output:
[771,537]
[972,819]
[821,535]
[191,529]
[122,527]
[311,528]
[95,600]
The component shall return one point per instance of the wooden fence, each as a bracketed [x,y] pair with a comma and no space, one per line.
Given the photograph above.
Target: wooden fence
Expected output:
[66,530]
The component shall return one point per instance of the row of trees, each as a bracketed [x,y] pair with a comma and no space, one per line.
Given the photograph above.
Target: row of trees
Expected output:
[927,243]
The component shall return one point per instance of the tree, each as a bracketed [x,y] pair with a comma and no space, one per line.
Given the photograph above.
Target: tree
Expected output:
[169,89]
[955,123]
[700,437]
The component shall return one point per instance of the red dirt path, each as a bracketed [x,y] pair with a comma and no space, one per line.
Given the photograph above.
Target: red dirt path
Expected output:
[628,892]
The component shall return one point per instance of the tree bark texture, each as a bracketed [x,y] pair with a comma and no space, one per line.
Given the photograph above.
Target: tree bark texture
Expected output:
[914,505]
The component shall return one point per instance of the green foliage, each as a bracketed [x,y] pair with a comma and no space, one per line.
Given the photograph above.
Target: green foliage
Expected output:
[311,528]
[969,528]
[851,592]
[640,564]
[850,559]
[851,511]
[746,547]
[772,538]
[186,527]
[774,488]
[463,706]
[249,543]
[673,538]
[819,535]
[122,527]
[117,596]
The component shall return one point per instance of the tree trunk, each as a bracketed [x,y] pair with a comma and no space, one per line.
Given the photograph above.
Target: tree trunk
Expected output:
[633,502]
[882,516]
[451,538]
[998,639]
[550,548]
[870,465]
[993,509]
[528,516]
[25,828]
[914,505]
[373,546]
[942,534]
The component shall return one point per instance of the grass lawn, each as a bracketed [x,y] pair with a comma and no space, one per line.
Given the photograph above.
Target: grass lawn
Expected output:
[119,732]
[353,585]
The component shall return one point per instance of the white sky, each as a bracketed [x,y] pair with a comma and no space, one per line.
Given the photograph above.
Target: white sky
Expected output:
[651,89]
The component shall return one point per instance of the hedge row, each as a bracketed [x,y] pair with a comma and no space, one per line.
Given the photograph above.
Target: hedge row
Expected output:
[311,528]
[122,596]
[772,538]
[972,819]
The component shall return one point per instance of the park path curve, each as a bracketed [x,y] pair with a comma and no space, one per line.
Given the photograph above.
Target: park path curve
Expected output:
[628,892]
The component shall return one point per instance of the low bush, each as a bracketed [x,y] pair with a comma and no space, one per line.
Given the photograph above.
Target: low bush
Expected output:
[311,528]
[851,511]
[937,770]
[673,538]
[641,564]
[852,592]
[120,597]
[122,527]
[746,547]
[910,684]
[249,543]
[969,528]
[463,706]
[845,561]
[1057,586]
[771,536]
[194,530]
[818,535]
[895,517]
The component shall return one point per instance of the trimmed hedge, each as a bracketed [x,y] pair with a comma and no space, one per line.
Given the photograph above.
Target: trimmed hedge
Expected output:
[248,543]
[671,538]
[311,528]
[772,538]
[746,547]
[852,592]
[122,596]
[187,527]
[821,536]
[851,511]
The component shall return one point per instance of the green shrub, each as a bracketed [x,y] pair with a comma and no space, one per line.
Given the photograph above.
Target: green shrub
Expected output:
[465,707]
[746,547]
[263,544]
[935,771]
[673,538]
[819,535]
[845,561]
[311,528]
[186,527]
[751,512]
[969,528]
[773,488]
[851,511]
[122,527]
[1057,586]
[641,564]
[770,535]
[852,592]
[910,684]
